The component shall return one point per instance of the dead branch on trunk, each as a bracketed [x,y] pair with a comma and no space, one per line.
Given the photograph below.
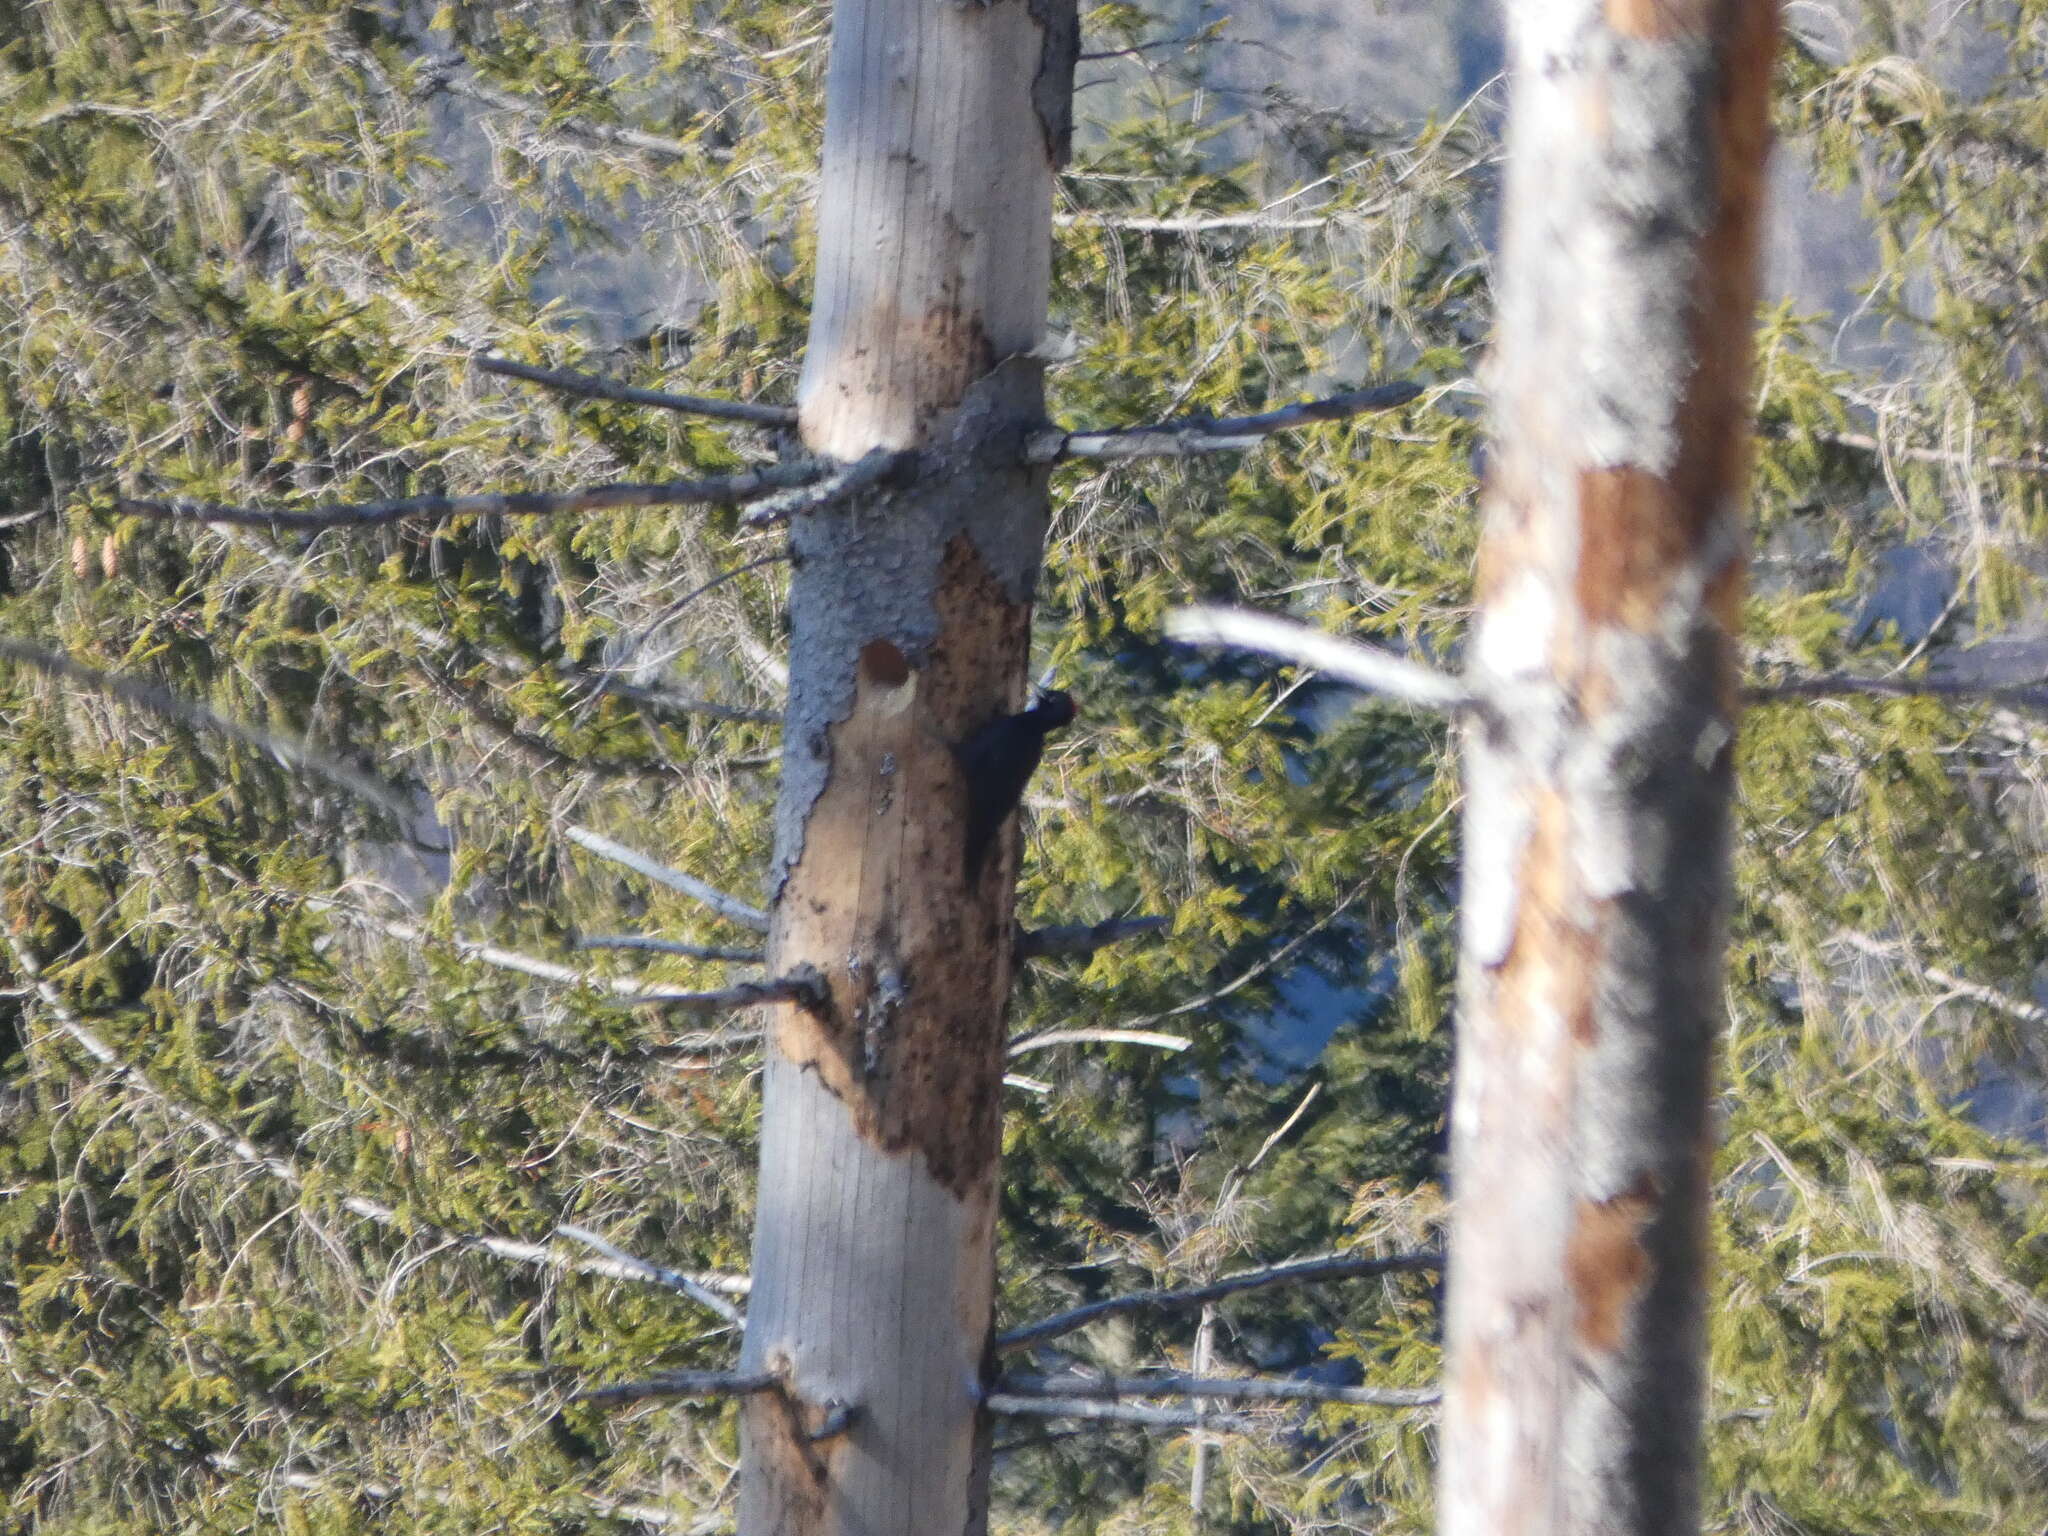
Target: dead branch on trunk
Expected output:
[682,1384]
[1838,685]
[629,991]
[1084,938]
[662,700]
[1363,666]
[841,485]
[669,947]
[1293,1272]
[712,491]
[660,1274]
[1015,1405]
[594,387]
[1234,1389]
[689,885]
[1197,435]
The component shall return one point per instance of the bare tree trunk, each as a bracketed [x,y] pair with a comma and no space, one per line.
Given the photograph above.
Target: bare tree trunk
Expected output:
[910,615]
[1598,776]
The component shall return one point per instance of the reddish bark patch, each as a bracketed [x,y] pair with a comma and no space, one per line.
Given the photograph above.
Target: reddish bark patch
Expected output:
[1605,1262]
[1653,19]
[1553,954]
[1632,540]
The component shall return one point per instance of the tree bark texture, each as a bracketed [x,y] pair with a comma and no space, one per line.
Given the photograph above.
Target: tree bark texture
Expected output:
[1599,766]
[910,607]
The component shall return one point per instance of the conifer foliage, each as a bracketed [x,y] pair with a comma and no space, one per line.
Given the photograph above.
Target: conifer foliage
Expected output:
[348,1139]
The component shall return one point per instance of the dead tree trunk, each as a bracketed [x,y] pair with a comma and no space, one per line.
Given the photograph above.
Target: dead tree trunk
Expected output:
[1598,772]
[910,608]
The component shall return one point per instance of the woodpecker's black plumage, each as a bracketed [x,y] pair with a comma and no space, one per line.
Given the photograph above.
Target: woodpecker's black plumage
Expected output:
[997,761]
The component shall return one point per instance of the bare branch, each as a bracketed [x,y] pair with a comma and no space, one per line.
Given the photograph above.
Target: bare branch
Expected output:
[1294,1272]
[689,885]
[629,990]
[870,469]
[675,1280]
[1974,991]
[716,491]
[284,1172]
[802,986]
[1863,442]
[1181,439]
[1014,1405]
[147,696]
[659,699]
[1833,685]
[1084,938]
[1378,671]
[597,388]
[1254,1389]
[1052,1037]
[669,947]
[683,1384]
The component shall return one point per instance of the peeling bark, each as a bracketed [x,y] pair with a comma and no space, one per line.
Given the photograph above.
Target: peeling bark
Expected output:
[910,608]
[1599,779]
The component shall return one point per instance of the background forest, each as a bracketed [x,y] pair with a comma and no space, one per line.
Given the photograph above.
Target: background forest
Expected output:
[296,1089]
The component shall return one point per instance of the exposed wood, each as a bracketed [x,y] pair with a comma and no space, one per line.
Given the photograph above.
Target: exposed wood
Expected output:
[1598,790]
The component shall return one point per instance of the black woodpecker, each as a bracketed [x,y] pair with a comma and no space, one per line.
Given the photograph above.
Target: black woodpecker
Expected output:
[997,761]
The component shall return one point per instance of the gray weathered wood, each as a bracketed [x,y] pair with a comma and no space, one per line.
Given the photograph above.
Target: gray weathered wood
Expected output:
[1597,793]
[910,604]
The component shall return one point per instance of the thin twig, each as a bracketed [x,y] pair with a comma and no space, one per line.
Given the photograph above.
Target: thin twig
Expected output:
[674,1279]
[1834,685]
[717,491]
[1014,1405]
[1180,439]
[1051,1037]
[1231,1389]
[689,885]
[1084,938]
[1382,672]
[669,947]
[285,1173]
[683,1384]
[659,699]
[870,469]
[1294,1272]
[630,991]
[1863,442]
[1974,991]
[598,388]
[148,697]
[675,609]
